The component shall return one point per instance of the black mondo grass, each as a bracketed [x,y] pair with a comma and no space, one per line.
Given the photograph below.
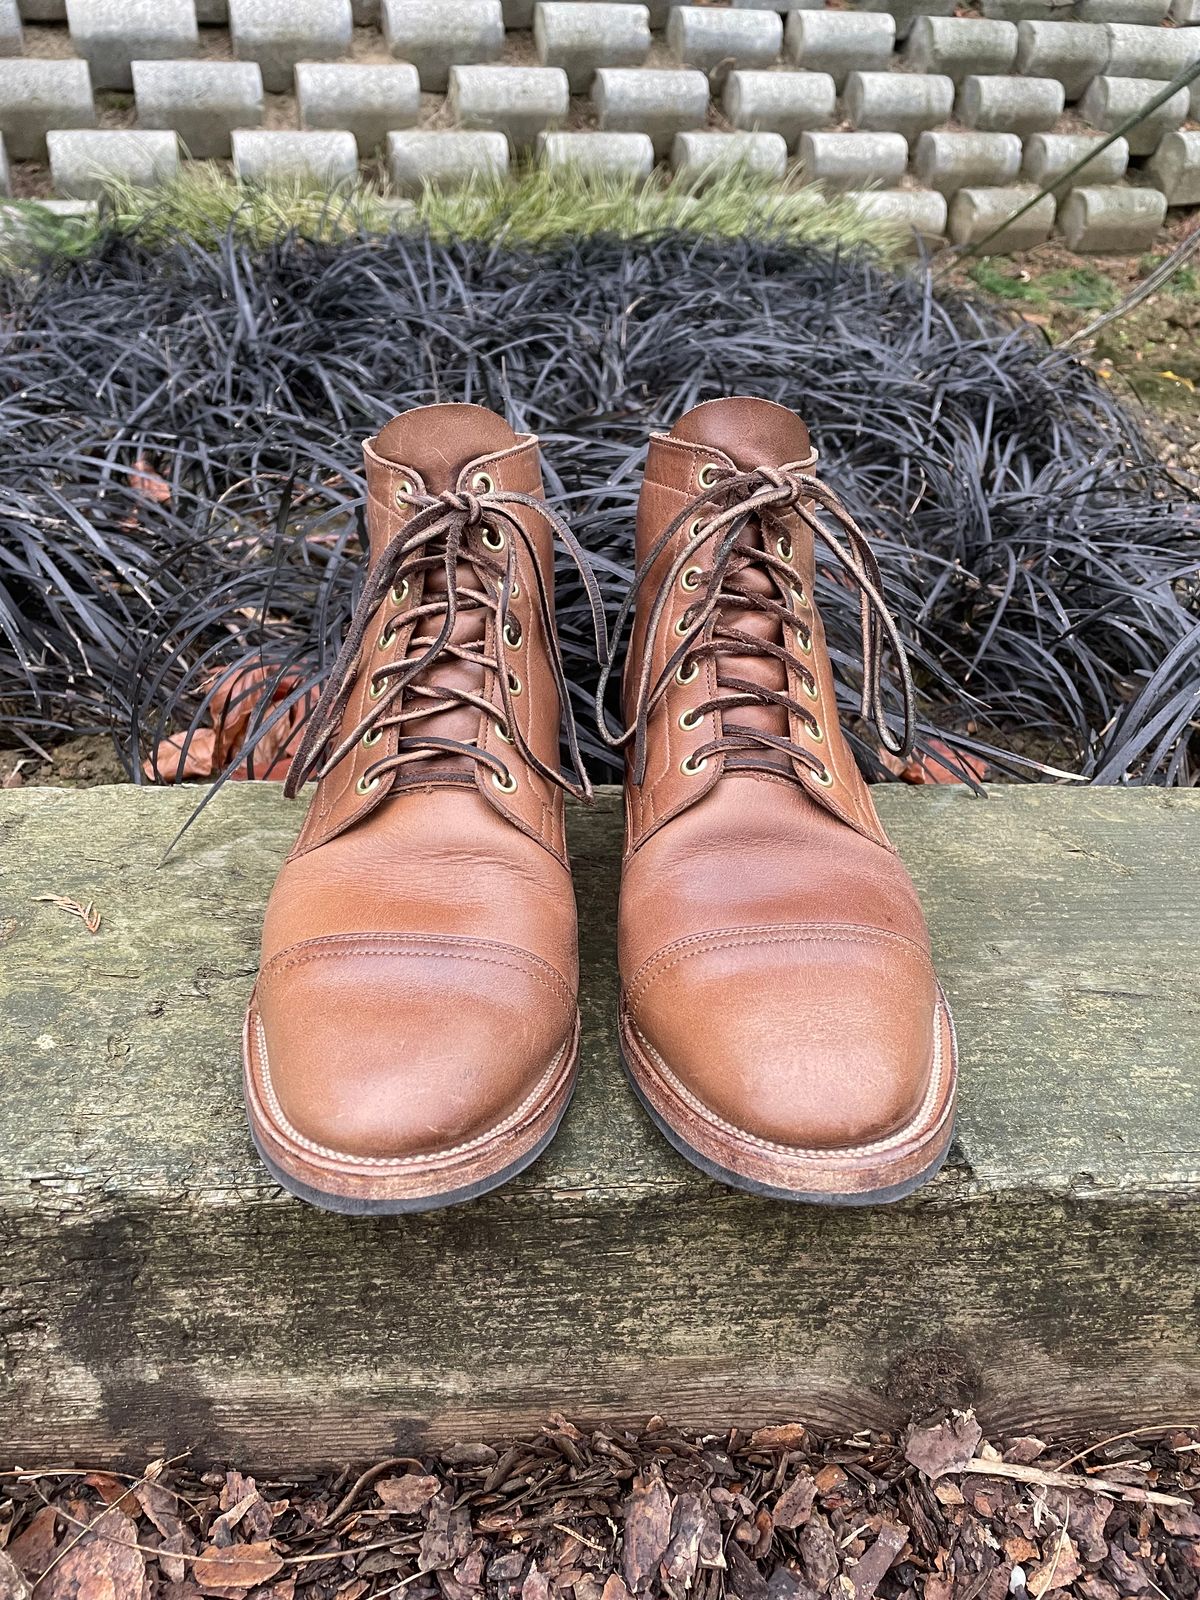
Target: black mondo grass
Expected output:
[181,436]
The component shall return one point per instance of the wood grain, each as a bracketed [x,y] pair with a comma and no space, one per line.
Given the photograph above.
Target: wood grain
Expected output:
[158,1291]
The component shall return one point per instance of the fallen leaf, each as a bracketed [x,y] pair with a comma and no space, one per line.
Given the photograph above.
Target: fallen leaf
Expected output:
[229,1570]
[103,1565]
[90,918]
[33,1548]
[947,1446]
[145,481]
[614,1588]
[937,762]
[647,1530]
[407,1495]
[237,699]
[1058,1571]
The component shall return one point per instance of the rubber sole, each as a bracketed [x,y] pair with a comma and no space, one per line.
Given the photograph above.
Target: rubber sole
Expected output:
[885,1194]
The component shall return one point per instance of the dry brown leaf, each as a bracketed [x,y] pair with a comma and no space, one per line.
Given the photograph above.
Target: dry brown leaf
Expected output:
[614,1588]
[90,918]
[229,1570]
[33,1548]
[946,1446]
[145,481]
[103,1565]
[408,1494]
[939,762]
[1058,1571]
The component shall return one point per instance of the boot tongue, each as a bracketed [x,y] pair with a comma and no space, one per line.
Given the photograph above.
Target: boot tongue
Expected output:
[439,442]
[752,433]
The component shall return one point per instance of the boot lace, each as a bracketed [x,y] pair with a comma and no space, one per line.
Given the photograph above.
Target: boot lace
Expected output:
[435,538]
[722,513]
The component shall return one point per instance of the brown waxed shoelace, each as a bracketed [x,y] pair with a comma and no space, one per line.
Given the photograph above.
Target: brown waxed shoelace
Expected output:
[734,499]
[435,538]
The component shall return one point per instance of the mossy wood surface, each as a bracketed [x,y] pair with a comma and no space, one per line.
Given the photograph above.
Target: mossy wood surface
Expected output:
[157,1291]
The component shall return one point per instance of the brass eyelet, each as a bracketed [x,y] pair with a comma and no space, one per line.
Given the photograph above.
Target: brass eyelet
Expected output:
[824,778]
[365,785]
[690,768]
[387,638]
[506,785]
[810,688]
[512,636]
[682,626]
[500,733]
[783,548]
[483,483]
[515,591]
[804,643]
[493,538]
[799,594]
[403,489]
[371,737]
[815,732]
[400,595]
[682,675]
[690,577]
[689,720]
[378,687]
[707,475]
[697,524]
[514,684]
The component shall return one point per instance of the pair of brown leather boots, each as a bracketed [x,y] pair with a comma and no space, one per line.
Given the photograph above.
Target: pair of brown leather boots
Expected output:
[413,1036]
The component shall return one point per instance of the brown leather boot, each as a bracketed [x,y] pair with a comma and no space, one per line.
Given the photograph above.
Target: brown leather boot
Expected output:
[781,1019]
[413,1033]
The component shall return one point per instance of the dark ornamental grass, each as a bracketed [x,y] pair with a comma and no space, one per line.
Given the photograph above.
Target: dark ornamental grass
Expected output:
[180,433]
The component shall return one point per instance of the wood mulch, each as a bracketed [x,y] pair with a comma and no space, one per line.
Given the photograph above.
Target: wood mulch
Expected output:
[777,1514]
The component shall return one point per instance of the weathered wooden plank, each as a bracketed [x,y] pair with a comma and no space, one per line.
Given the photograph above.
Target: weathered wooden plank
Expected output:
[158,1291]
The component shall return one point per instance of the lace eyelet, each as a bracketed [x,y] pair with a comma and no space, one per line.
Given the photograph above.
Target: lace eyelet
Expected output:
[387,638]
[707,475]
[512,636]
[682,675]
[815,732]
[371,737]
[500,733]
[824,778]
[810,689]
[783,548]
[690,577]
[403,489]
[493,538]
[697,524]
[798,592]
[514,684]
[682,626]
[515,591]
[506,785]
[483,483]
[804,643]
[366,785]
[400,595]
[378,687]
[690,768]
[689,720]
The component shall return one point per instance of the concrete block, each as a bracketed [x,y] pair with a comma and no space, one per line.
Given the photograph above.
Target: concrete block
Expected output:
[452,33]
[320,159]
[42,10]
[604,155]
[1136,52]
[787,103]
[202,101]
[1185,12]
[1049,155]
[371,101]
[1010,105]
[840,161]
[975,212]
[365,13]
[948,162]
[1175,168]
[1072,52]
[518,101]
[904,12]
[278,33]
[84,161]
[716,41]
[704,154]
[1147,12]
[581,37]
[111,34]
[212,13]
[644,100]
[841,42]
[518,14]
[898,102]
[1105,219]
[37,95]
[1110,101]
[918,213]
[444,159]
[961,46]
[12,41]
